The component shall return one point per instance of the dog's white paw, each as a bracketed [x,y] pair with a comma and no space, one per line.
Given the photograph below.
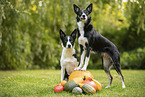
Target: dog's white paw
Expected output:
[83,69]
[123,86]
[107,87]
[78,68]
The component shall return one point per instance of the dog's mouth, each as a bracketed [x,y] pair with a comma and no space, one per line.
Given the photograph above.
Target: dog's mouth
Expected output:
[83,19]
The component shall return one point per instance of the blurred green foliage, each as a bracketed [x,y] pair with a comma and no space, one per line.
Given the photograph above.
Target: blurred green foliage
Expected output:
[134,59]
[29,37]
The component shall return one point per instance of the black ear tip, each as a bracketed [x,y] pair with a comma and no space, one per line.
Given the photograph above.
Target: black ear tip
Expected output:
[91,4]
[73,34]
[76,30]
[60,30]
[74,5]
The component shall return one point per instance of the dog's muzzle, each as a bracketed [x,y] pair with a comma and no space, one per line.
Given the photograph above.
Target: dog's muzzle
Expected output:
[69,46]
[83,17]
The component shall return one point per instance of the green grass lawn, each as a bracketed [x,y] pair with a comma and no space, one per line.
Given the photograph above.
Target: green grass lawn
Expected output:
[40,83]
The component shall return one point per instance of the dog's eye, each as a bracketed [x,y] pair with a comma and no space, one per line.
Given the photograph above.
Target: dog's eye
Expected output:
[80,14]
[86,12]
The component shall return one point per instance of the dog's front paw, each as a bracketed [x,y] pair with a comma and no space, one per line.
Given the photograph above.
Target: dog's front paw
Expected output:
[78,68]
[83,69]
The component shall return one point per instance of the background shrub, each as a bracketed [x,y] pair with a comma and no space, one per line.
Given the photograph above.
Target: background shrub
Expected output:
[29,37]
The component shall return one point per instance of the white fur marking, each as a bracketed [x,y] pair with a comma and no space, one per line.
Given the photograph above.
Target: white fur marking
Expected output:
[123,85]
[62,73]
[86,64]
[82,60]
[68,43]
[82,57]
[82,40]
[68,61]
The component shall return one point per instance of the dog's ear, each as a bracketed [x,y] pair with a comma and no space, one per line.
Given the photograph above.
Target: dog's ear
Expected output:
[89,8]
[62,34]
[73,34]
[76,9]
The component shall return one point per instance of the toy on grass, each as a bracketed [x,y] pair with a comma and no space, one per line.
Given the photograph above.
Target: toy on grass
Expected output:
[58,88]
[77,90]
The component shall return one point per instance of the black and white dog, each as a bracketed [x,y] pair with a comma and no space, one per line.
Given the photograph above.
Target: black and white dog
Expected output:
[91,40]
[68,59]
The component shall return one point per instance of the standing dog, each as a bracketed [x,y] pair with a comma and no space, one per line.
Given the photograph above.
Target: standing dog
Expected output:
[68,59]
[91,40]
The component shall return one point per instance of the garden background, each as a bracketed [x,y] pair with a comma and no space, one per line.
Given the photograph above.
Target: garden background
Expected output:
[29,31]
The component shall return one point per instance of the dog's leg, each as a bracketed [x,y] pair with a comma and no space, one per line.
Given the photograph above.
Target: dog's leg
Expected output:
[117,66]
[118,69]
[62,73]
[122,78]
[86,59]
[66,76]
[107,66]
[82,57]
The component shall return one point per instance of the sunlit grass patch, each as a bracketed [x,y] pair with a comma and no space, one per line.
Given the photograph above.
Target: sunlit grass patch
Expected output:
[41,83]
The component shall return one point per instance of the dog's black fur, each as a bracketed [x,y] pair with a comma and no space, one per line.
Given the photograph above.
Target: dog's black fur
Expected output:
[97,43]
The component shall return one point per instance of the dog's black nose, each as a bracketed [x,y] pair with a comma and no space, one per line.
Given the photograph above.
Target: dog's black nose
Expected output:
[69,46]
[83,16]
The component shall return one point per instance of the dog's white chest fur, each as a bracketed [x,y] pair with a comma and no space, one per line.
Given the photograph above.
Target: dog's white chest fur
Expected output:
[82,40]
[68,61]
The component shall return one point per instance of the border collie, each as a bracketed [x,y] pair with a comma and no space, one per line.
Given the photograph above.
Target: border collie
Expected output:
[68,59]
[91,40]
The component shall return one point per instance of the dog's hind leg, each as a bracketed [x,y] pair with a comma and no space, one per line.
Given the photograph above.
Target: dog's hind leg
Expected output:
[107,63]
[118,69]
[117,66]
[115,57]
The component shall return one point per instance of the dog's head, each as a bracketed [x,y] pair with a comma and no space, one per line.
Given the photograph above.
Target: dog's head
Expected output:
[68,41]
[83,14]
